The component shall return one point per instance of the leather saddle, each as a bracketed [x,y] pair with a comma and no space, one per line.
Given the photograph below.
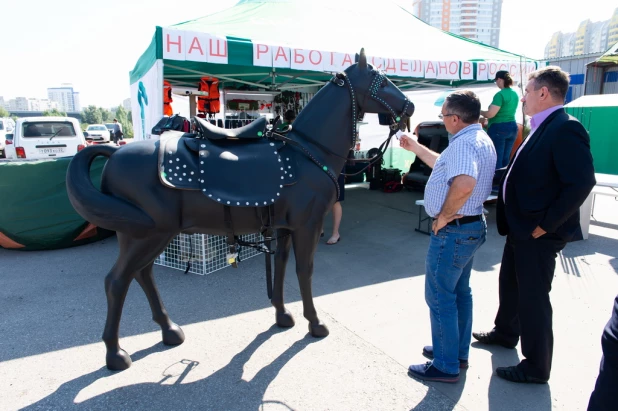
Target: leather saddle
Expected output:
[239,171]
[255,129]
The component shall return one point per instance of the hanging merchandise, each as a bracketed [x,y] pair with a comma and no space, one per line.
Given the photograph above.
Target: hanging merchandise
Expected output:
[247,105]
[167,98]
[209,104]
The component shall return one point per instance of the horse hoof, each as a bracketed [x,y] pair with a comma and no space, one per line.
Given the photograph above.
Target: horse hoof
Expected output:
[318,330]
[285,319]
[118,361]
[173,335]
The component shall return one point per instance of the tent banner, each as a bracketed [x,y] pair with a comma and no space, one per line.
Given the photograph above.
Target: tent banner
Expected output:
[147,102]
[209,48]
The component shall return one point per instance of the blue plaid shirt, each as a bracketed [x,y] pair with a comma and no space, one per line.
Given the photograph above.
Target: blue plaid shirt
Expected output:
[470,152]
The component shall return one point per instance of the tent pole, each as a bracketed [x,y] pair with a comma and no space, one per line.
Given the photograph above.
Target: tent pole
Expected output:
[192,105]
[224,103]
[215,75]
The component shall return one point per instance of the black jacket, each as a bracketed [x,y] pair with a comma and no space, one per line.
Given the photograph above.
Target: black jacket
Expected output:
[550,180]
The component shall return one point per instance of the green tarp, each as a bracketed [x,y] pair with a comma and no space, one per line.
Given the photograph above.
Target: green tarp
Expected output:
[599,115]
[35,210]
[384,29]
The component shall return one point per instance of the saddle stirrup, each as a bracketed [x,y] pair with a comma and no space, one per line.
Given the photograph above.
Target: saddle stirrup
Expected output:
[232,252]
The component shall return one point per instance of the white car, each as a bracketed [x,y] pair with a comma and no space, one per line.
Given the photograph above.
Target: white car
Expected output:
[6,127]
[97,132]
[44,138]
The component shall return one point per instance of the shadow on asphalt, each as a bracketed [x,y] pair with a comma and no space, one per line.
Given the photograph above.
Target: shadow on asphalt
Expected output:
[501,396]
[225,389]
[54,300]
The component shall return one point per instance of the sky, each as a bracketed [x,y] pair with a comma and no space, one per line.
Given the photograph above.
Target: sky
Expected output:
[95,45]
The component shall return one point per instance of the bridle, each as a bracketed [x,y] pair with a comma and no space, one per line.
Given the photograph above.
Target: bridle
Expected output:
[341,80]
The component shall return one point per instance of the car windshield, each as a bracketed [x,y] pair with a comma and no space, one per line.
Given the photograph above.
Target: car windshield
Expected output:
[48,129]
[110,126]
[97,128]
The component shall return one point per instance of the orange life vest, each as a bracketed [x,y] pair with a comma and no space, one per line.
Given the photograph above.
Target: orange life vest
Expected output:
[167,99]
[209,104]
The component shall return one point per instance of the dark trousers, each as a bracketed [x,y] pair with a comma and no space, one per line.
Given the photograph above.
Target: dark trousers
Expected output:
[525,310]
[115,137]
[605,394]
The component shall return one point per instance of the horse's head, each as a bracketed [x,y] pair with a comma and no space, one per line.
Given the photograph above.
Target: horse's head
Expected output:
[373,92]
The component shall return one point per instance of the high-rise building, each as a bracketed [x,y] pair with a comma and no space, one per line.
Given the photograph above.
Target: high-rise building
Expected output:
[612,30]
[2,103]
[474,19]
[35,104]
[66,97]
[18,104]
[126,103]
[590,37]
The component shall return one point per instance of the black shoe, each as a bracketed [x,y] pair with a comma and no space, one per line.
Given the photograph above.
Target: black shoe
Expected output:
[493,338]
[428,353]
[514,374]
[428,372]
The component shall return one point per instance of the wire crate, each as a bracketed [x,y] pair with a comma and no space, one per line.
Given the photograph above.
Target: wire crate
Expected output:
[207,253]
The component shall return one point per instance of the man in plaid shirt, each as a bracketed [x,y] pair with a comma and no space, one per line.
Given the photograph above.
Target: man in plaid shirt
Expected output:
[459,184]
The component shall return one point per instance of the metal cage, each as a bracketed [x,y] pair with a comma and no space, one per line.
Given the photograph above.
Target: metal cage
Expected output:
[205,253]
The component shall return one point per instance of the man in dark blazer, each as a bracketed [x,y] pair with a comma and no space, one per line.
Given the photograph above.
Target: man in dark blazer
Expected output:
[541,190]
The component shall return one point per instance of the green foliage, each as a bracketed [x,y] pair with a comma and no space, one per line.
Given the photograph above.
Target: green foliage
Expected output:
[96,115]
[123,118]
[3,112]
[54,113]
[92,115]
[106,115]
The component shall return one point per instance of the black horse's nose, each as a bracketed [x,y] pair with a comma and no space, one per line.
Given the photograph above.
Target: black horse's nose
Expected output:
[410,109]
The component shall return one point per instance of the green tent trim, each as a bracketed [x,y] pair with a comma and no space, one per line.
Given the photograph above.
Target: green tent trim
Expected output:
[294,24]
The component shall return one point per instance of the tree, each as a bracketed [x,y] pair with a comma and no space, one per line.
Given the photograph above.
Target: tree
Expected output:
[123,118]
[3,112]
[92,115]
[54,113]
[106,115]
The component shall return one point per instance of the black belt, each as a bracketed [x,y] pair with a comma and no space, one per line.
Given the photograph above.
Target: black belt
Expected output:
[467,219]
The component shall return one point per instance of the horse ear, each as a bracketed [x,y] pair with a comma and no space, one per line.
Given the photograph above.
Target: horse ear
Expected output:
[362,60]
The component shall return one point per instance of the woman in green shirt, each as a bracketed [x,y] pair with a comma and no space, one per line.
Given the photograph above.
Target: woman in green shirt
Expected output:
[501,127]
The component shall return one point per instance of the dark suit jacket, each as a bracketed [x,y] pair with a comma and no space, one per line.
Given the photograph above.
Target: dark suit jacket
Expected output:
[550,180]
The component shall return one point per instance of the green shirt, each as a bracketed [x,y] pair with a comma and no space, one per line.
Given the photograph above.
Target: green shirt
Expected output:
[507,99]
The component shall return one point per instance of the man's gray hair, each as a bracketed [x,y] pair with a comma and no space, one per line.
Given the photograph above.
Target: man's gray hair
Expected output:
[465,104]
[554,78]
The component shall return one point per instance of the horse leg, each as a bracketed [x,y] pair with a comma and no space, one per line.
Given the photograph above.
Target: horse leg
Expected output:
[172,333]
[305,243]
[134,255]
[283,316]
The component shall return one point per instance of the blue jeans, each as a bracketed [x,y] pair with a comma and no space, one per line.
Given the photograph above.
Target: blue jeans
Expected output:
[448,293]
[503,135]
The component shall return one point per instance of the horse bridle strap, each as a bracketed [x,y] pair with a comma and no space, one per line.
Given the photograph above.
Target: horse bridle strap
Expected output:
[340,80]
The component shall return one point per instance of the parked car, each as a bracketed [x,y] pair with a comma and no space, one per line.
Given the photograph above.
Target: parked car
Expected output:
[45,137]
[97,132]
[6,127]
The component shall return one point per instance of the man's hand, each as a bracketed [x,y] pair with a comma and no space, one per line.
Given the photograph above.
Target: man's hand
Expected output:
[538,231]
[441,221]
[409,143]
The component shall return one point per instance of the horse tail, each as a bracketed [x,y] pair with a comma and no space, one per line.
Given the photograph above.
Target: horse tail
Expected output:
[96,207]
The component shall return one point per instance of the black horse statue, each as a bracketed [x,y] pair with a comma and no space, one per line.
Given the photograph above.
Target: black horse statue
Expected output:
[219,181]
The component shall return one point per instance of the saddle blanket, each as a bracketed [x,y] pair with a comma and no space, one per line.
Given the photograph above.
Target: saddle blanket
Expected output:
[239,173]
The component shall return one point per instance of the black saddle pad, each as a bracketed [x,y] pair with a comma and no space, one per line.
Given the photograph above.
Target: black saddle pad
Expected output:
[239,173]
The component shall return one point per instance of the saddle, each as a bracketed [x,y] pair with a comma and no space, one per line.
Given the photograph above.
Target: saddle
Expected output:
[253,130]
[238,171]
